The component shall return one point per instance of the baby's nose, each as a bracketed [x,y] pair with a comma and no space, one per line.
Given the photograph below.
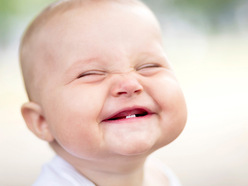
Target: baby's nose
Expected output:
[126,85]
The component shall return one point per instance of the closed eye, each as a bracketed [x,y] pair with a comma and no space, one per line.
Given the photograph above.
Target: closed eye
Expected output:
[91,76]
[149,69]
[145,66]
[91,73]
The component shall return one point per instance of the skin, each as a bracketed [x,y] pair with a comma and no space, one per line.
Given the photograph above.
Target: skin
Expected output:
[102,60]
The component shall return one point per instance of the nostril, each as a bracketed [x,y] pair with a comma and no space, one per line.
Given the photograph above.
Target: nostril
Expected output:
[129,92]
[138,91]
[126,86]
[123,92]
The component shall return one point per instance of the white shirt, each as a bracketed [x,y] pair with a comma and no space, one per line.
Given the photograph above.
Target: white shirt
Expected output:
[60,173]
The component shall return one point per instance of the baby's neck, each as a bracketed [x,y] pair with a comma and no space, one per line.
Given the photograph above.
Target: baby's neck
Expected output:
[130,178]
[131,173]
[108,172]
[122,173]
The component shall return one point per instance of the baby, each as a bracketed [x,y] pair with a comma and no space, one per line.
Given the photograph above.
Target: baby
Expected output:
[101,92]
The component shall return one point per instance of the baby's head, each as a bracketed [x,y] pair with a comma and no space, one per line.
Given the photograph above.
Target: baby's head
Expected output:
[99,83]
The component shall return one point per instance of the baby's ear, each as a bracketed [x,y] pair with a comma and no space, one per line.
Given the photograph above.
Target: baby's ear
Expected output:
[35,121]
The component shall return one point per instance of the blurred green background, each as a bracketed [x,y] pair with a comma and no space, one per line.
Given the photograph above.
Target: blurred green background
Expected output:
[207,43]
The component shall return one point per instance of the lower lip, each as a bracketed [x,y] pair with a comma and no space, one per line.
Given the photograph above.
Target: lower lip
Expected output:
[128,120]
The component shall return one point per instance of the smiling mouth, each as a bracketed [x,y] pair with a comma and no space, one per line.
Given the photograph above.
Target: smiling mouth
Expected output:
[128,114]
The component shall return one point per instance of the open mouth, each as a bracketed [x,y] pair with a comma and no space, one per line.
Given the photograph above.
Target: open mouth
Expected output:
[128,114]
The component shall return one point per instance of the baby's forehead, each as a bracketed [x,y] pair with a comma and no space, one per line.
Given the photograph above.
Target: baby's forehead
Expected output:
[55,20]
[59,8]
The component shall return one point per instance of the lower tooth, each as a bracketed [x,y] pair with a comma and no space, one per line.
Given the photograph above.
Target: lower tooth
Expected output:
[131,116]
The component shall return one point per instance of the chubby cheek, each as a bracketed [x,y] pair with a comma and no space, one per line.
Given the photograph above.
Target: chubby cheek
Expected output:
[72,122]
[173,113]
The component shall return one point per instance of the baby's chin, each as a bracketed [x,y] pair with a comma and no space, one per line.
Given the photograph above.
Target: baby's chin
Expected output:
[141,148]
[138,145]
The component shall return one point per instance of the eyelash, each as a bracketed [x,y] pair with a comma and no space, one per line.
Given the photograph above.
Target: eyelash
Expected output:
[90,73]
[148,66]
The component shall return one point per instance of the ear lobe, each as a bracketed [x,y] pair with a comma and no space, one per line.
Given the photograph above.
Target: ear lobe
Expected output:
[35,121]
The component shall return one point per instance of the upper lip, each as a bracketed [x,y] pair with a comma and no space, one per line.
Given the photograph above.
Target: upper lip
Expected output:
[128,111]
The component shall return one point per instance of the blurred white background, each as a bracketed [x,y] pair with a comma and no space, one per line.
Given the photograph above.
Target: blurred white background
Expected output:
[212,67]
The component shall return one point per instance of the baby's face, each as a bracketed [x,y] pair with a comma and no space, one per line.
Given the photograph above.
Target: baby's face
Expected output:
[110,90]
